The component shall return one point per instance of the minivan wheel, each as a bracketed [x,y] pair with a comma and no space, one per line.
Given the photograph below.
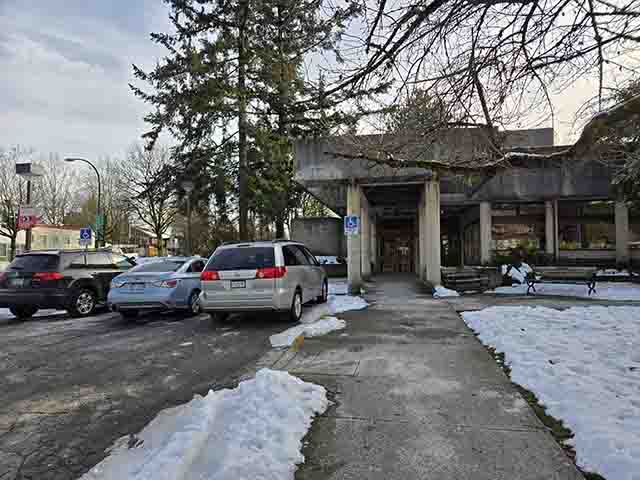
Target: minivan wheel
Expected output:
[295,313]
[82,303]
[23,312]
[325,293]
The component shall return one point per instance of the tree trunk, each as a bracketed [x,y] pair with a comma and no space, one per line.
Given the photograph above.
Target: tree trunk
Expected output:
[243,201]
[280,227]
[12,255]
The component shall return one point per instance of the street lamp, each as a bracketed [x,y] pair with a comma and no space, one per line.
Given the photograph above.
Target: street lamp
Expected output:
[187,186]
[99,220]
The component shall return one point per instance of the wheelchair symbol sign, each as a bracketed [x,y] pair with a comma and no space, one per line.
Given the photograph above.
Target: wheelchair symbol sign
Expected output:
[351,225]
[85,236]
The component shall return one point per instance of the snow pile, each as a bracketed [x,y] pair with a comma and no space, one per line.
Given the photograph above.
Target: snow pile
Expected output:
[343,303]
[315,329]
[612,272]
[5,314]
[253,431]
[328,259]
[338,286]
[584,365]
[604,291]
[518,274]
[443,292]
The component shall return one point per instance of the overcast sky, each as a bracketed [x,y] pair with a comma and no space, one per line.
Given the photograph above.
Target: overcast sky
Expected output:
[65,66]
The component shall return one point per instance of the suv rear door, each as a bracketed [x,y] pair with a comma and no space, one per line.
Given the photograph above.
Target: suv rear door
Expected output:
[32,270]
[241,271]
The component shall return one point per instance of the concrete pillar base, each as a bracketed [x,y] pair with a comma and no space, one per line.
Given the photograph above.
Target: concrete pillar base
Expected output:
[622,233]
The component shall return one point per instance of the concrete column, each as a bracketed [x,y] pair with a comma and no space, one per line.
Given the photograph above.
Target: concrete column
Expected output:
[485,233]
[431,232]
[416,245]
[622,233]
[549,228]
[556,231]
[354,250]
[422,242]
[461,233]
[365,238]
[374,246]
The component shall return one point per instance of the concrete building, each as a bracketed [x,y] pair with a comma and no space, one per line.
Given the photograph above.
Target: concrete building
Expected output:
[417,220]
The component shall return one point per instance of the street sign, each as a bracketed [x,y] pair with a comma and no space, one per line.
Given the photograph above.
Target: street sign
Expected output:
[27,217]
[85,236]
[351,225]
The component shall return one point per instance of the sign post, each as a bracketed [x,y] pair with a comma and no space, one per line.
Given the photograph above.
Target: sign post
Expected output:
[351,225]
[27,217]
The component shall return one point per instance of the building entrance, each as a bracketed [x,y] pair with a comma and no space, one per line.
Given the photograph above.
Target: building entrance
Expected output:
[397,246]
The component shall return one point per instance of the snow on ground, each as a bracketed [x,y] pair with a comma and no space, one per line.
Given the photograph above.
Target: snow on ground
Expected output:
[443,292]
[517,273]
[612,272]
[5,314]
[250,432]
[604,290]
[328,259]
[583,364]
[343,303]
[315,329]
[338,286]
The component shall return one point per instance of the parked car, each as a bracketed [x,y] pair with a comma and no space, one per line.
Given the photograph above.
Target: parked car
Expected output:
[172,283]
[276,276]
[72,280]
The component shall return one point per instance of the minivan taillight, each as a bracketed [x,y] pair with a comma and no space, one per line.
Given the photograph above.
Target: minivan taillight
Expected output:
[209,276]
[271,272]
[48,276]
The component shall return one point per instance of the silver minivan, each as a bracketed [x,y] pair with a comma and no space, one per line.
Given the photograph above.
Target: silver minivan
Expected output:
[276,276]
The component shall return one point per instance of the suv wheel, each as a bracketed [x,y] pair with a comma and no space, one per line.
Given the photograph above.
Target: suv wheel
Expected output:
[194,304]
[295,312]
[82,303]
[325,293]
[23,312]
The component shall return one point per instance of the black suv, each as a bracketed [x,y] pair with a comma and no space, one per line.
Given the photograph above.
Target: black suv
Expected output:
[72,280]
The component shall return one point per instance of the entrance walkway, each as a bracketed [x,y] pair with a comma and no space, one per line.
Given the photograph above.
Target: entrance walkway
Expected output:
[416,396]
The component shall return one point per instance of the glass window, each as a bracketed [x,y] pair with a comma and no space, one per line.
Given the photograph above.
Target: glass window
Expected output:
[35,263]
[312,259]
[3,249]
[99,259]
[242,258]
[168,266]
[121,262]
[301,256]
[77,260]
[197,266]
[290,257]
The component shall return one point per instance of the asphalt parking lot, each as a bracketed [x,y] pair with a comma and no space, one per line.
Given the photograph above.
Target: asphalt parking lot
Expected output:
[70,388]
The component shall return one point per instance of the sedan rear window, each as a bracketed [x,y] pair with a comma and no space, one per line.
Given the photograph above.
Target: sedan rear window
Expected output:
[157,267]
[242,258]
[34,263]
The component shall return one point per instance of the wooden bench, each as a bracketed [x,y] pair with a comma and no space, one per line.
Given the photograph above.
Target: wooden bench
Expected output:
[574,276]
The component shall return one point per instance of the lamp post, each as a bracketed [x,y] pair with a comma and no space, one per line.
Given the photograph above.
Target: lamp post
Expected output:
[188,188]
[99,219]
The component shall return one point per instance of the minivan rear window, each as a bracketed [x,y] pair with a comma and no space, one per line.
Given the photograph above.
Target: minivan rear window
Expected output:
[242,258]
[34,263]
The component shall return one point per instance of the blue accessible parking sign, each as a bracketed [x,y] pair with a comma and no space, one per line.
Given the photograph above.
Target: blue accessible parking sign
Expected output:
[351,225]
[85,236]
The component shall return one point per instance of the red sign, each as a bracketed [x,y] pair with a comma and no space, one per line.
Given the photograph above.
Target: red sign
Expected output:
[27,217]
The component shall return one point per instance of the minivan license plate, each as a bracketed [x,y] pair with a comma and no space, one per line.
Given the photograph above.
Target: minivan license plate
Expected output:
[16,282]
[238,284]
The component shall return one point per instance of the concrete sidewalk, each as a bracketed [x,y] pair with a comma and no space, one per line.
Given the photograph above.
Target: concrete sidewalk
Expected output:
[417,397]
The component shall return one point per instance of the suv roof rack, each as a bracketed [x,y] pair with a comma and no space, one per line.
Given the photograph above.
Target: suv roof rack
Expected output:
[278,240]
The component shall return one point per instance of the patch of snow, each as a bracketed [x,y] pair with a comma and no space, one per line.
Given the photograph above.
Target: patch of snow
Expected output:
[583,364]
[253,431]
[517,273]
[338,286]
[604,290]
[612,272]
[328,259]
[186,344]
[5,314]
[315,329]
[443,292]
[343,303]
